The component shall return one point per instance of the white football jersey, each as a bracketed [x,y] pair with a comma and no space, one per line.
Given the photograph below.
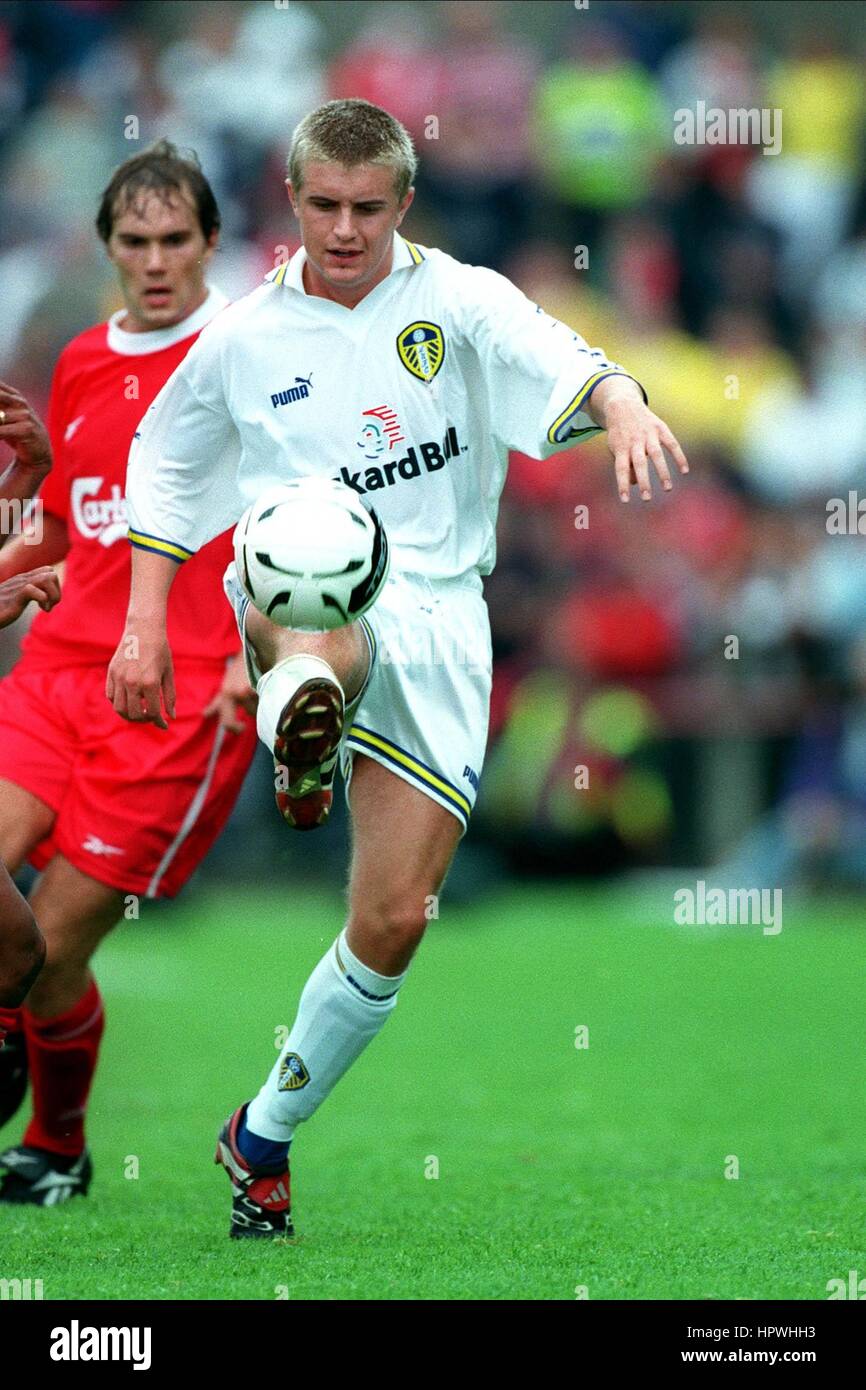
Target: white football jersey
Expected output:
[413,398]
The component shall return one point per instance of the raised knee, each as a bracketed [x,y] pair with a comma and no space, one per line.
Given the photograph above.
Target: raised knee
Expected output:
[23,957]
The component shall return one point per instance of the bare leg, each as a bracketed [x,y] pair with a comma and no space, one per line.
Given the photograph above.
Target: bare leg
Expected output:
[402,845]
[74,912]
[22,948]
[24,821]
[403,842]
[344,649]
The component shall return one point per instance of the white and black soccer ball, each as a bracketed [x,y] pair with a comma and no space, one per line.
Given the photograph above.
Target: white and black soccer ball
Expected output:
[310,555]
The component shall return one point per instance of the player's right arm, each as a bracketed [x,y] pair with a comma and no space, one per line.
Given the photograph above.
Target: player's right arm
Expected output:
[141,675]
[181,491]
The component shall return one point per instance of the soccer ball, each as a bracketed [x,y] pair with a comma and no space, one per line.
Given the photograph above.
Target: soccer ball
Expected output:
[310,555]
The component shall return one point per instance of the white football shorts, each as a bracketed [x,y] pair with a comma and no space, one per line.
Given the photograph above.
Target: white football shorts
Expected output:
[424,710]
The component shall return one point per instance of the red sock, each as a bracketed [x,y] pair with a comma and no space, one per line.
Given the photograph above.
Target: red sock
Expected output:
[10,1021]
[61,1055]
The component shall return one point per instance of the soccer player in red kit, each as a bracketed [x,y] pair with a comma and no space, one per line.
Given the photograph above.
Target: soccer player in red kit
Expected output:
[106,809]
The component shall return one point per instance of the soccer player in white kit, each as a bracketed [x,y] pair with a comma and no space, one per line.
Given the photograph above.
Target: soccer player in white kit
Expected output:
[408,376]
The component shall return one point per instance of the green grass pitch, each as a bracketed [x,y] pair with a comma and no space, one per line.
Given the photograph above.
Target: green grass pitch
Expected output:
[558,1167]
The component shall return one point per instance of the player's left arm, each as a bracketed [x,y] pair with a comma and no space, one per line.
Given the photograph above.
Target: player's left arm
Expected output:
[22,429]
[547,389]
[634,436]
[235,693]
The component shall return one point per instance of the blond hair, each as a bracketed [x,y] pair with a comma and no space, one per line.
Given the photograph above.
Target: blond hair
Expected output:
[350,132]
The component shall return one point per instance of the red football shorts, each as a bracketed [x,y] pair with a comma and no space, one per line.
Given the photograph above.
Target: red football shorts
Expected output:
[136,807]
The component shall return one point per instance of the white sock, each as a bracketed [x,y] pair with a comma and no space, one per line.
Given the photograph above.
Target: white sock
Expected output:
[343,1006]
[278,685]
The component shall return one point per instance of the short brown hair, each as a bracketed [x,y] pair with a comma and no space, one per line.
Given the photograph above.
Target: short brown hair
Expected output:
[352,132]
[160,169]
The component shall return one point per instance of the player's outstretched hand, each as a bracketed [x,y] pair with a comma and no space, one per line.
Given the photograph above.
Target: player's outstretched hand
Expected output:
[635,436]
[140,680]
[22,430]
[235,691]
[33,586]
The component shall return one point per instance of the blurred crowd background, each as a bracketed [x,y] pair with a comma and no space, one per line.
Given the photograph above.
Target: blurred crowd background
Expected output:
[678,683]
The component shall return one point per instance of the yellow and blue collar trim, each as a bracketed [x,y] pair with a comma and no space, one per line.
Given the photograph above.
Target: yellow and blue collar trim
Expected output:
[409,253]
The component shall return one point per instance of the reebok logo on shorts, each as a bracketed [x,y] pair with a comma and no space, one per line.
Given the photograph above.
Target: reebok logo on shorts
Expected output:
[94,845]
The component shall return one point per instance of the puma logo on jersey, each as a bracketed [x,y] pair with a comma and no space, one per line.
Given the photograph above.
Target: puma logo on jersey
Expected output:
[298,392]
[433,456]
[93,845]
[72,427]
[102,519]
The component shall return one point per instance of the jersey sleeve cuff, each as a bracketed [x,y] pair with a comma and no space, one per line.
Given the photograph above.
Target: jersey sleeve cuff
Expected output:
[157,546]
[563,429]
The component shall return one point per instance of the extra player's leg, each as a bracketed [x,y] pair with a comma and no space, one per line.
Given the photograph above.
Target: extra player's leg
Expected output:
[24,821]
[63,1023]
[307,681]
[402,845]
[22,948]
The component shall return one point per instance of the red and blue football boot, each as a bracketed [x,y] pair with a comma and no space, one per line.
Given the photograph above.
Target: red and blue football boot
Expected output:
[261,1208]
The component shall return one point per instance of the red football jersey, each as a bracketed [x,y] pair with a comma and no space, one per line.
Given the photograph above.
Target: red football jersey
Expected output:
[104,382]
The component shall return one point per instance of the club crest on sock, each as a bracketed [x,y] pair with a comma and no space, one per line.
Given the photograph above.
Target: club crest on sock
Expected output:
[293,1073]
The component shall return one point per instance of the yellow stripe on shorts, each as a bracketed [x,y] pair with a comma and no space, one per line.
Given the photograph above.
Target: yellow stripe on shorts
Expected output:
[423,775]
